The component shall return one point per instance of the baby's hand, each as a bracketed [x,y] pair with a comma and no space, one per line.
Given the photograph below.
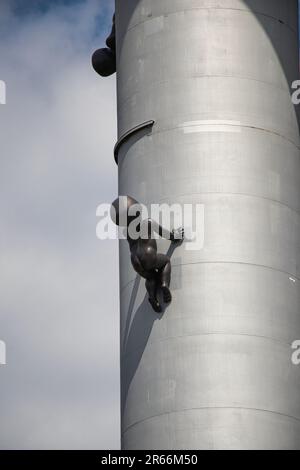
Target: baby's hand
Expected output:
[177,235]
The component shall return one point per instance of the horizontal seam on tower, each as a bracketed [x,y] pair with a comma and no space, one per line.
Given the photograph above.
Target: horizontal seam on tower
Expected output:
[245,126]
[170,338]
[205,193]
[243,10]
[192,77]
[243,263]
[210,408]
[260,129]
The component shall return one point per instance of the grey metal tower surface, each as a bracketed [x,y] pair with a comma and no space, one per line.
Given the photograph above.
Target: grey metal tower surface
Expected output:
[215,371]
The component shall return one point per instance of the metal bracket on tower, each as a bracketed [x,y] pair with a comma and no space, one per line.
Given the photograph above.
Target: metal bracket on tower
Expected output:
[129,134]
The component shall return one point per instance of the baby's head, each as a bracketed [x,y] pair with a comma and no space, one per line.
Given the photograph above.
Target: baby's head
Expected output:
[124,210]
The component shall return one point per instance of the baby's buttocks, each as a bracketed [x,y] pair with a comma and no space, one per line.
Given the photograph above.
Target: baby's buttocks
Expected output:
[147,256]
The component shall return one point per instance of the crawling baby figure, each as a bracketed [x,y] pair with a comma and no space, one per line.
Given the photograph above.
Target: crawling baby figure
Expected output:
[147,262]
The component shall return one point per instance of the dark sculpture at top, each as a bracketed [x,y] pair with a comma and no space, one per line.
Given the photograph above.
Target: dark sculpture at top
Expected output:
[104,60]
[152,266]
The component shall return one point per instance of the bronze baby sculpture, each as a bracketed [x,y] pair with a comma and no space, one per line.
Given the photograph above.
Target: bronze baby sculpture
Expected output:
[104,59]
[152,266]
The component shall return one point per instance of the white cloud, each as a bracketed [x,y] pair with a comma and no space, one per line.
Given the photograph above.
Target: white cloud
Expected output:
[59,285]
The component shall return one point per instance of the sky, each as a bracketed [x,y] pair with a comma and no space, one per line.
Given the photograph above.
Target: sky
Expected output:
[59,306]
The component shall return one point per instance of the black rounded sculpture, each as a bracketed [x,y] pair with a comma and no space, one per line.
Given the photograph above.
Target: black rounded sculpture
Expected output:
[104,60]
[152,266]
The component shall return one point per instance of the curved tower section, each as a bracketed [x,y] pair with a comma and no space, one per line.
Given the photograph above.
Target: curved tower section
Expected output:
[205,117]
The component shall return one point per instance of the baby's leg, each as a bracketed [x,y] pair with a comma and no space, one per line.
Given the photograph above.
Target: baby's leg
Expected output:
[151,286]
[164,269]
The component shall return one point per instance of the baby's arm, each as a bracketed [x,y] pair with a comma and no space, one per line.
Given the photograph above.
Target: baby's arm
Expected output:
[173,235]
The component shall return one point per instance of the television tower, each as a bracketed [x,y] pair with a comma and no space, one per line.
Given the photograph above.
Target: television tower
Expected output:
[205,116]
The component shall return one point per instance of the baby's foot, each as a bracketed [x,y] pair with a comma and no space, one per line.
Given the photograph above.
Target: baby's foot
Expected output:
[167,296]
[155,305]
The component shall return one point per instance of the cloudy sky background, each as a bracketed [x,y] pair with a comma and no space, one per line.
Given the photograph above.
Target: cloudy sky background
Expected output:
[59,284]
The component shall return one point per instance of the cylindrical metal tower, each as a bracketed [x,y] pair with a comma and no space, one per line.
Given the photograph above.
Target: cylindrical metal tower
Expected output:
[215,371]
